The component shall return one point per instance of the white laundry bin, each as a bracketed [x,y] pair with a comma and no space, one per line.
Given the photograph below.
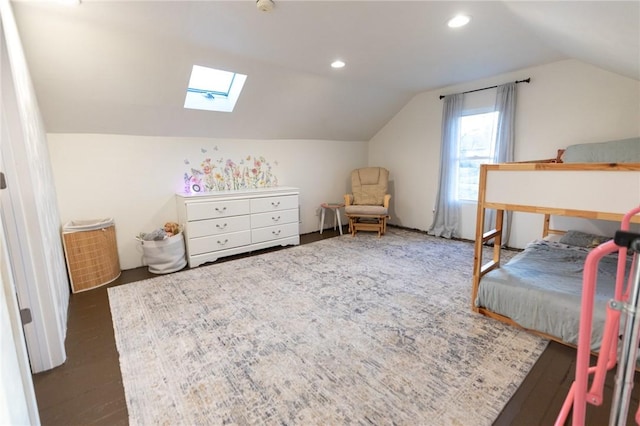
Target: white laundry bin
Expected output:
[164,256]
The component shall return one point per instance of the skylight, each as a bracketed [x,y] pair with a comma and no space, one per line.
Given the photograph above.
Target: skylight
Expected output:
[213,90]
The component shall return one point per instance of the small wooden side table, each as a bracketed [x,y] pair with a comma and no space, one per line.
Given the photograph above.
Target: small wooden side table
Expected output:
[335,207]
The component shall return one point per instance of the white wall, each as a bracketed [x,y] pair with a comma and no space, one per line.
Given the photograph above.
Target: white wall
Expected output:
[566,102]
[133,179]
[29,207]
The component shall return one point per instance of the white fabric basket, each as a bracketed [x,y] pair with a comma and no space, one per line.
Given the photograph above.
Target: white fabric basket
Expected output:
[165,256]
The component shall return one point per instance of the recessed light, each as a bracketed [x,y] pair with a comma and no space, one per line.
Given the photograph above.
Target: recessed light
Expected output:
[265,5]
[337,64]
[458,21]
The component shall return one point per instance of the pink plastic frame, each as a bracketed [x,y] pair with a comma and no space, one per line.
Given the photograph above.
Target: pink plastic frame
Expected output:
[579,393]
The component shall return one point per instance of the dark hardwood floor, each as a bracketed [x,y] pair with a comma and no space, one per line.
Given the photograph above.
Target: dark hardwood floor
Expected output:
[87,389]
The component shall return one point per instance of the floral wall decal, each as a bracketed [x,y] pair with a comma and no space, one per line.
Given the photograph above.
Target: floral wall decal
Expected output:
[224,175]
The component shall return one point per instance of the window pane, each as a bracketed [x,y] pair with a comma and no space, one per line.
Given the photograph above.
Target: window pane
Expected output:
[469,177]
[477,145]
[476,134]
[203,78]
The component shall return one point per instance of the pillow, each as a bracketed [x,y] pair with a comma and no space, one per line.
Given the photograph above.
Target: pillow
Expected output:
[583,239]
[553,237]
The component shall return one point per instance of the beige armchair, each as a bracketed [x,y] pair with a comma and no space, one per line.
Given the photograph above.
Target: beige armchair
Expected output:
[367,207]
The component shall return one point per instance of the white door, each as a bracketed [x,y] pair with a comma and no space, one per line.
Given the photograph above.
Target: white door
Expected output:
[17,397]
[30,216]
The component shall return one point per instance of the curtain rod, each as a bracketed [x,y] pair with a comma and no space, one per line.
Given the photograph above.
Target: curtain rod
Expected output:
[526,80]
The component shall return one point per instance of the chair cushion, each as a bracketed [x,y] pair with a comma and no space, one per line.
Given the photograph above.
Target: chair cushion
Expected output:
[369,185]
[356,210]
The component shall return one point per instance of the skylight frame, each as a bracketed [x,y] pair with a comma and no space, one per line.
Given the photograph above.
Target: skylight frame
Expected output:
[206,92]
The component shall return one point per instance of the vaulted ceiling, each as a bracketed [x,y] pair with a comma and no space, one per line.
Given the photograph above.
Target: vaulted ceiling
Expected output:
[122,67]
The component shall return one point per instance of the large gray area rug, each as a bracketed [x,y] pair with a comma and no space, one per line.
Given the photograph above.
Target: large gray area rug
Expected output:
[346,330]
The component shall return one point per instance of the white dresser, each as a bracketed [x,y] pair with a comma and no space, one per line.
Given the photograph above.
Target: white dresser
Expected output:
[218,224]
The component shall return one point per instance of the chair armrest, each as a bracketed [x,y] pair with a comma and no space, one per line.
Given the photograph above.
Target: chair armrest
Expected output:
[348,199]
[387,198]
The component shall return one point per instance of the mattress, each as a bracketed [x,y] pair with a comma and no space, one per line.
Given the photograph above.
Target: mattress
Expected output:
[540,289]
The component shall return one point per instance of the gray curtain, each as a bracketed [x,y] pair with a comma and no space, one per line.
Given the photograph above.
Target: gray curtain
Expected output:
[505,137]
[447,210]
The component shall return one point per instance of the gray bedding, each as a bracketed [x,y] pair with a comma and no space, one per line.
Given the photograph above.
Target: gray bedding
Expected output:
[621,151]
[540,289]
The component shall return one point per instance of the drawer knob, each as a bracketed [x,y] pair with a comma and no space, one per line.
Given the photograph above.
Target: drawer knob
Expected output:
[222,210]
[221,227]
[275,219]
[223,242]
[276,233]
[276,204]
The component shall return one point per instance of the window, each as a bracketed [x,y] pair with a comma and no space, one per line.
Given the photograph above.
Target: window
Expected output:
[476,146]
[213,90]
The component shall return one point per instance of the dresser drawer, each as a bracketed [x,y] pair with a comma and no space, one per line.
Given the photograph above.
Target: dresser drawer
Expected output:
[219,242]
[274,232]
[261,220]
[269,204]
[202,228]
[215,209]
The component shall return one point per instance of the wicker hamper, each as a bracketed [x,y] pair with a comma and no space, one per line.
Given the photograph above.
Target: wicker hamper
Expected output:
[91,253]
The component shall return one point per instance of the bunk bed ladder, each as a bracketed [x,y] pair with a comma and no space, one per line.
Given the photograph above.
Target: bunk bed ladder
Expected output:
[495,234]
[626,301]
[482,238]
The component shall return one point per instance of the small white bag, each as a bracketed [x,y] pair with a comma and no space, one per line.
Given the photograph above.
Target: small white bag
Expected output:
[164,256]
